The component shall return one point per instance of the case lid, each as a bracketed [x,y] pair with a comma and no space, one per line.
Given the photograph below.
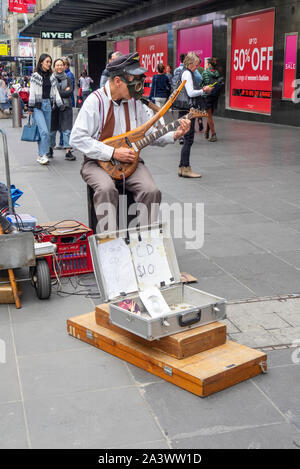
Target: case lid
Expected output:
[127,261]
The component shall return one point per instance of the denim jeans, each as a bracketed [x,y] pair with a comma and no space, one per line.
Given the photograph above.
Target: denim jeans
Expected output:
[42,119]
[66,138]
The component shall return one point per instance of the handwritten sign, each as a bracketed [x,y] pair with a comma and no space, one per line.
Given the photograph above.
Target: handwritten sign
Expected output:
[150,259]
[117,268]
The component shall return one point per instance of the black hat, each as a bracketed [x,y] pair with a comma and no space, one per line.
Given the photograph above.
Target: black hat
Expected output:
[129,63]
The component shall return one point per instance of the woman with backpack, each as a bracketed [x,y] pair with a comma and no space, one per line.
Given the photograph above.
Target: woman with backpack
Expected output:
[191,90]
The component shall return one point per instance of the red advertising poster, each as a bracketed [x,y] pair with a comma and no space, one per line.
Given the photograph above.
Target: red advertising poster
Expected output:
[18,6]
[197,39]
[290,59]
[252,62]
[152,51]
[122,46]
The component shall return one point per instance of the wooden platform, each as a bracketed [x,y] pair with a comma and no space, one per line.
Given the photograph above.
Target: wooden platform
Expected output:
[202,374]
[181,345]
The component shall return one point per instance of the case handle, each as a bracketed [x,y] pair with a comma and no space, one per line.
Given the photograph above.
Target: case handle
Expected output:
[191,321]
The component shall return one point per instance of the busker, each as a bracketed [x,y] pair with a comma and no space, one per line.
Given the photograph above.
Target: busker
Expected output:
[113,110]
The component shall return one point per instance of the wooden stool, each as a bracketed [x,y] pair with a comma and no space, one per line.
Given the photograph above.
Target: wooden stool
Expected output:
[92,218]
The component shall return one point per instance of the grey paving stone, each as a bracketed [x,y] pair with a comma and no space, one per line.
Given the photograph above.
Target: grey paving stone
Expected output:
[292,257]
[230,328]
[182,414]
[9,382]
[71,371]
[287,336]
[255,338]
[263,273]
[282,386]
[224,286]
[225,243]
[13,434]
[160,444]
[4,315]
[277,436]
[142,377]
[47,335]
[282,357]
[99,419]
[246,321]
[240,219]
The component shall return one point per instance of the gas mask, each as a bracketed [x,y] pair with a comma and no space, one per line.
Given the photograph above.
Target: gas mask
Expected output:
[136,86]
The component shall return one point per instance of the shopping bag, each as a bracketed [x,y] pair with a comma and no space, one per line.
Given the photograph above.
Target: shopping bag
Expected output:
[30,132]
[79,102]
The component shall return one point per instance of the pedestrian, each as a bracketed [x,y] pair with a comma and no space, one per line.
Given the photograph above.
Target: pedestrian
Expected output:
[160,87]
[105,75]
[43,94]
[5,99]
[169,74]
[62,118]
[107,112]
[70,75]
[85,84]
[190,64]
[209,77]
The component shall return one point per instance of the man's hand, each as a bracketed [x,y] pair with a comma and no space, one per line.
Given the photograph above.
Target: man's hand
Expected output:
[125,155]
[185,125]
[207,89]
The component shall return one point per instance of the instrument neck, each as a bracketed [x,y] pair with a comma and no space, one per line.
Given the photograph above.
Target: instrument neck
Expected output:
[144,142]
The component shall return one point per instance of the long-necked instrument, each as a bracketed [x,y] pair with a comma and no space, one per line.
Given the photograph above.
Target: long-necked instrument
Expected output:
[136,139]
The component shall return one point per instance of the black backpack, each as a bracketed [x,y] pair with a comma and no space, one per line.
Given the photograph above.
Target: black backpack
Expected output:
[184,102]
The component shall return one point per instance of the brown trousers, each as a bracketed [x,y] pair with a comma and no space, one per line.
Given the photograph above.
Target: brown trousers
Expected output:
[106,194]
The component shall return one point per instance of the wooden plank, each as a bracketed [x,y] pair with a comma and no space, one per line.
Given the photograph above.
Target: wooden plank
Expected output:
[180,345]
[202,374]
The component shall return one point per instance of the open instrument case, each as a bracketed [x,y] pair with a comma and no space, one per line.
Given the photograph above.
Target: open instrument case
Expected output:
[130,262]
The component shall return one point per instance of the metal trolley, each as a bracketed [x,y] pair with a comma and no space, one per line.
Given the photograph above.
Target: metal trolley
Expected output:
[17,250]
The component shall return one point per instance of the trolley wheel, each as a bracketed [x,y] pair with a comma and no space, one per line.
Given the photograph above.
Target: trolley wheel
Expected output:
[41,279]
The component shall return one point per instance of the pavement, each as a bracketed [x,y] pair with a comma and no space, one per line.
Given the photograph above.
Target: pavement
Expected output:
[58,392]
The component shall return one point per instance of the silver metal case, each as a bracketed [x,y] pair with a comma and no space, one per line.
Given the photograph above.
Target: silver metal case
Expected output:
[204,308]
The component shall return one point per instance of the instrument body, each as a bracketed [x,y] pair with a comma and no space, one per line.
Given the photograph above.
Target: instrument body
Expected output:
[136,139]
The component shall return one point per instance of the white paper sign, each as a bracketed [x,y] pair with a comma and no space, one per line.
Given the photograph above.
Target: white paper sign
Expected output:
[150,259]
[117,268]
[154,302]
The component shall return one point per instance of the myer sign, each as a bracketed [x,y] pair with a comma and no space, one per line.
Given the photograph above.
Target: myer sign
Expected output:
[55,35]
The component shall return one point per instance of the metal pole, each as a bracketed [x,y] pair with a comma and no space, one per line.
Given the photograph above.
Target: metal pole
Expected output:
[33,61]
[16,110]
[5,151]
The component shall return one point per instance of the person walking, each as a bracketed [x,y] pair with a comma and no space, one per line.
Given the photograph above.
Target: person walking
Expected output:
[160,88]
[209,77]
[190,64]
[5,100]
[62,118]
[85,84]
[42,95]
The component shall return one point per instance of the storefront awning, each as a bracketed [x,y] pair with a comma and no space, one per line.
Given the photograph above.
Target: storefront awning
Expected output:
[72,15]
[107,16]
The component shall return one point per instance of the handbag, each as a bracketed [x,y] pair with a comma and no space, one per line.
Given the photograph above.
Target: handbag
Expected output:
[30,132]
[78,102]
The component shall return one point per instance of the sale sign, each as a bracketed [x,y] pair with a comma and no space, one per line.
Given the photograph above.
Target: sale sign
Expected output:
[197,39]
[252,62]
[290,58]
[18,6]
[152,51]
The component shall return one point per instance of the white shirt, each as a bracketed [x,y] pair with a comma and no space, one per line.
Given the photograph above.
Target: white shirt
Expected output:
[85,83]
[91,119]
[189,86]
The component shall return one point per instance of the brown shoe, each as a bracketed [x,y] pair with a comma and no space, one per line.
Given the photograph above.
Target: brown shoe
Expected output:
[180,171]
[188,173]
[213,138]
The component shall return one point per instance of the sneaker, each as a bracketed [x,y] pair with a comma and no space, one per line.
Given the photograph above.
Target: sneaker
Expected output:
[50,153]
[42,159]
[69,156]
[213,138]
